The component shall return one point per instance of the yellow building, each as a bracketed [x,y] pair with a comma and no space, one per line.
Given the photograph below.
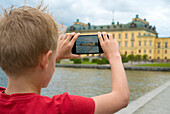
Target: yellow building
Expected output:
[136,37]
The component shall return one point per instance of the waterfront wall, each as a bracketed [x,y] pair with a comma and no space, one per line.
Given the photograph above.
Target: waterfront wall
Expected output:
[135,106]
[108,67]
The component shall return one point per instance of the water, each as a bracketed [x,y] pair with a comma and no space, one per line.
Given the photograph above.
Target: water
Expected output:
[92,82]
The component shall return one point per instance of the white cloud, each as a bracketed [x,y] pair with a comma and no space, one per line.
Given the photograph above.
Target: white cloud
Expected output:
[99,12]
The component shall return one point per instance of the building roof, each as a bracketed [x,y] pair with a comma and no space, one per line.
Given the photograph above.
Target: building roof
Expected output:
[164,37]
[136,24]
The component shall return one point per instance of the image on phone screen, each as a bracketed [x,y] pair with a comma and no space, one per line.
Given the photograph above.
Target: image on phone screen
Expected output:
[87,44]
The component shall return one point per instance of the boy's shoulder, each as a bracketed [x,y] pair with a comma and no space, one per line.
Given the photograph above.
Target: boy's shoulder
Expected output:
[62,103]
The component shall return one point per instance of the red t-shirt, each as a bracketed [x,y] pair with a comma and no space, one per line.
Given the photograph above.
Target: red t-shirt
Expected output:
[32,103]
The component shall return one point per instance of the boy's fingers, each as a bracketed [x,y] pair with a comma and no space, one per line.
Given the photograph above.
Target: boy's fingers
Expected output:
[100,37]
[70,36]
[73,56]
[110,36]
[65,36]
[61,37]
[105,36]
[74,38]
[104,55]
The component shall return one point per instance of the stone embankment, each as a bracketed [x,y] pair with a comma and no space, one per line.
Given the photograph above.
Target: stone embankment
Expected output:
[127,67]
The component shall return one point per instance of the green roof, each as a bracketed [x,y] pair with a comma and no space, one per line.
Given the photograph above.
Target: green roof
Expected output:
[112,27]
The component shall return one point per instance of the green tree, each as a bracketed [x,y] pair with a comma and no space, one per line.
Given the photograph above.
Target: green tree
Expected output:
[138,58]
[77,61]
[131,57]
[86,59]
[105,60]
[124,58]
[94,60]
[145,57]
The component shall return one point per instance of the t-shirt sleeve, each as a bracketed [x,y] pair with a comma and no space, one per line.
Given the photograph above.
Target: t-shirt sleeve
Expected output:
[73,104]
[82,105]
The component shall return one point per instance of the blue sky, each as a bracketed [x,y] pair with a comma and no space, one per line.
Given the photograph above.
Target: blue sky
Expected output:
[99,12]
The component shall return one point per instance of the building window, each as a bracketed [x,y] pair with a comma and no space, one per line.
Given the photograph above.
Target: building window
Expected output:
[132,44]
[119,44]
[158,51]
[165,51]
[132,52]
[108,27]
[166,44]
[165,57]
[126,44]
[132,35]
[150,51]
[150,43]
[101,27]
[139,51]
[144,51]
[119,36]
[126,35]
[150,57]
[72,28]
[133,25]
[94,27]
[139,43]
[159,44]
[158,58]
[113,35]
[125,52]
[144,43]
[139,34]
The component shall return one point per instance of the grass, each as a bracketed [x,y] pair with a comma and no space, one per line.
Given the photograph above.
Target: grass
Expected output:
[156,65]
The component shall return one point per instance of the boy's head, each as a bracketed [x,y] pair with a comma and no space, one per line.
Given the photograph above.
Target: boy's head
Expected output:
[25,34]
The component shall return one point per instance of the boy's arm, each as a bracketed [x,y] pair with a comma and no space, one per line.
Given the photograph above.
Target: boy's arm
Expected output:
[64,46]
[119,97]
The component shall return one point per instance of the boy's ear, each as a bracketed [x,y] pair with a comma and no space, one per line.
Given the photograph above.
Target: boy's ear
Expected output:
[44,59]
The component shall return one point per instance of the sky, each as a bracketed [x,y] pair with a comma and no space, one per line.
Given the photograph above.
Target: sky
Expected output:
[100,12]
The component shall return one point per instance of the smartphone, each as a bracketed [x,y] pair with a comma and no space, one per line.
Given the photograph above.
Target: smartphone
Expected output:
[87,44]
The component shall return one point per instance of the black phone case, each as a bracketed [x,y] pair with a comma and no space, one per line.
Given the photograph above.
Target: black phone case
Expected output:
[100,49]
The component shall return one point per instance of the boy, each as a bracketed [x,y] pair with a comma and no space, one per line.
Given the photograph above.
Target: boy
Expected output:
[28,53]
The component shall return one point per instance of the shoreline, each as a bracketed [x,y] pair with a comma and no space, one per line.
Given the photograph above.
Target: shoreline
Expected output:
[167,69]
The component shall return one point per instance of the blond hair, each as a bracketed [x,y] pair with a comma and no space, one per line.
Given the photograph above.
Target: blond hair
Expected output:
[25,33]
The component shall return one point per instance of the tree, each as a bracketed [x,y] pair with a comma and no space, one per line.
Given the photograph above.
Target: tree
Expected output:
[131,57]
[124,58]
[145,57]
[138,58]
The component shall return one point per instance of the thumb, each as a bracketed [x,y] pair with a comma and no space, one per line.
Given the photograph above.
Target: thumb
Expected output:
[74,56]
[105,56]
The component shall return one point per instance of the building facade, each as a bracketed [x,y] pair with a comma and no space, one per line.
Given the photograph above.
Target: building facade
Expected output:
[136,37]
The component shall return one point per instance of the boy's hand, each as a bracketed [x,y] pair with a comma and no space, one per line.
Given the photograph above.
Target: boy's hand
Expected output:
[109,45]
[65,45]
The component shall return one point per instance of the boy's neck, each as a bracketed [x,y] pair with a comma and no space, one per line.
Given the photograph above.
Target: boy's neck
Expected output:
[24,84]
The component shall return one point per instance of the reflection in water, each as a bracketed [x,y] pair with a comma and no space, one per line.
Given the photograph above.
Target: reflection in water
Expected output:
[92,82]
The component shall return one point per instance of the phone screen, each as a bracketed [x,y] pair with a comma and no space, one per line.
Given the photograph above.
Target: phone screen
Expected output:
[87,44]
